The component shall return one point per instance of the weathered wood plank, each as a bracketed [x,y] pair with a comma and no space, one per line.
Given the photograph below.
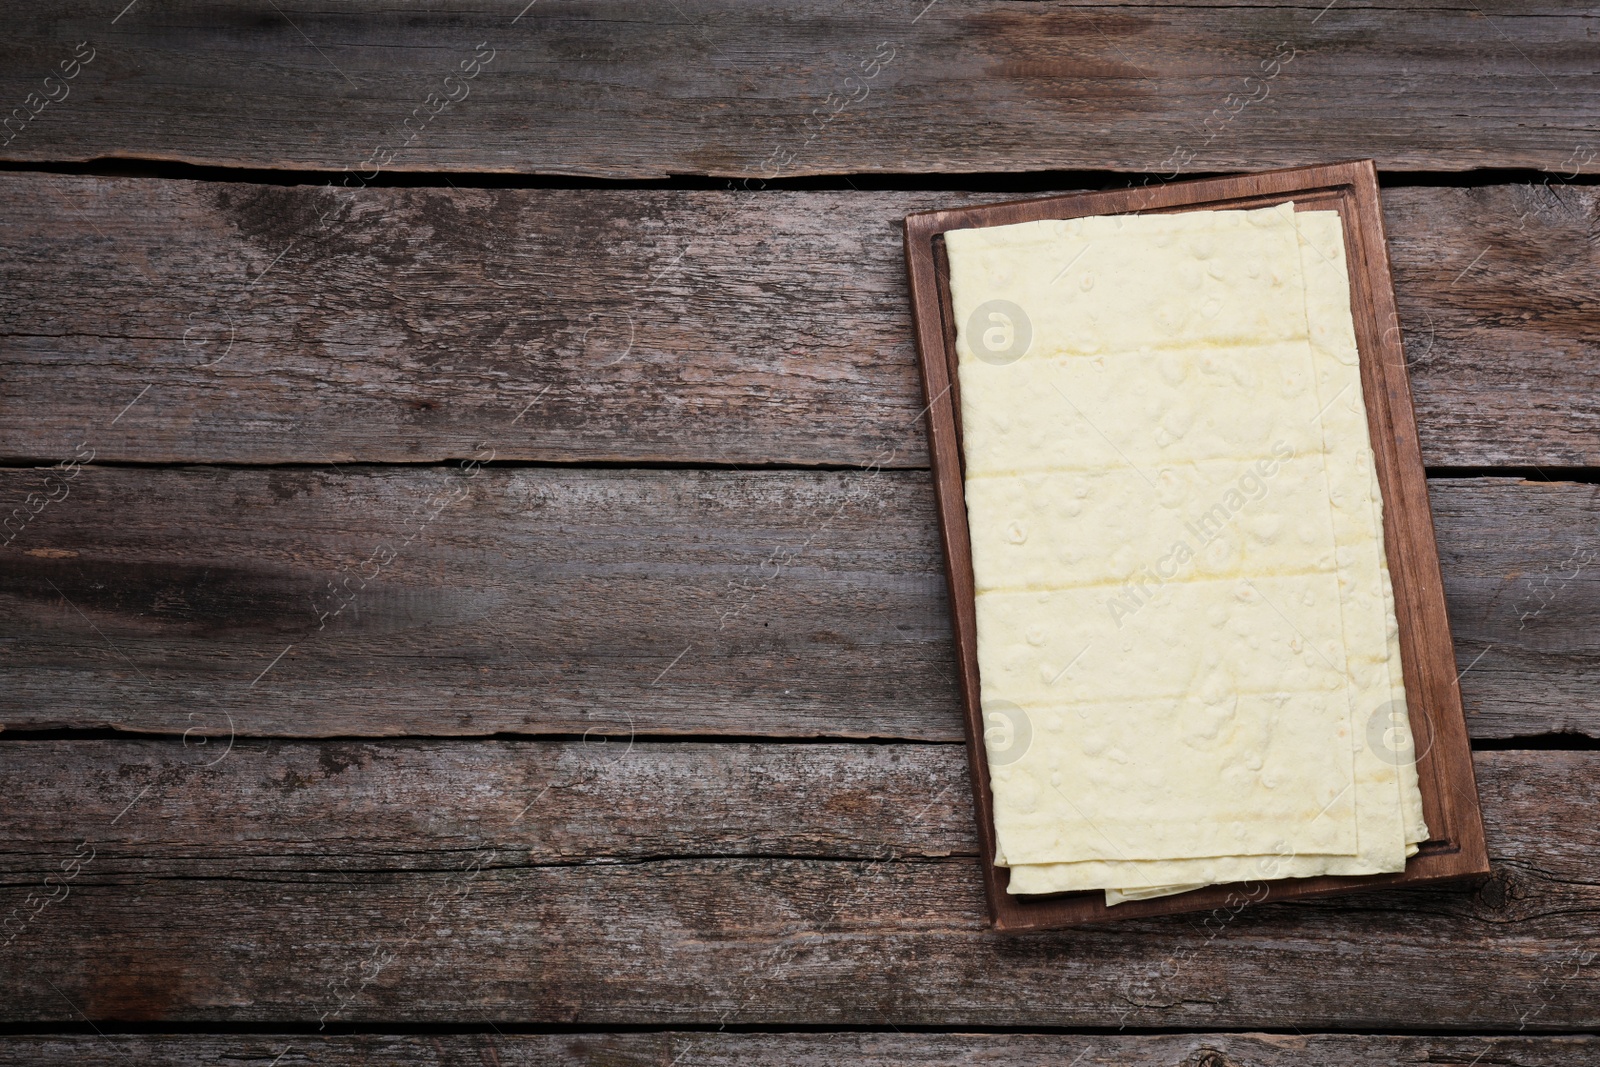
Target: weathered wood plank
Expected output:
[544,600]
[386,601]
[264,807]
[168,321]
[716,87]
[780,941]
[1525,616]
[1481,278]
[700,1049]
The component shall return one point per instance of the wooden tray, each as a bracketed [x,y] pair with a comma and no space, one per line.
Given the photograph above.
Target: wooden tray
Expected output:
[1444,763]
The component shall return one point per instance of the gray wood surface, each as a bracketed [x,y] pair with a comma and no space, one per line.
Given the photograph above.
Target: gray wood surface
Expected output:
[374,601]
[174,321]
[416,760]
[265,807]
[1523,615]
[627,90]
[557,912]
[701,1049]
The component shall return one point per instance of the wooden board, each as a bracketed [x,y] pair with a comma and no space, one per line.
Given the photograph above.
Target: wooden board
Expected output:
[1444,764]
[1522,622]
[632,325]
[702,1049]
[626,90]
[572,921]
[1480,287]
[263,808]
[555,601]
[541,601]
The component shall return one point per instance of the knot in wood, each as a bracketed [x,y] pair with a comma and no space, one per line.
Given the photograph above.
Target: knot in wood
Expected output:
[1495,893]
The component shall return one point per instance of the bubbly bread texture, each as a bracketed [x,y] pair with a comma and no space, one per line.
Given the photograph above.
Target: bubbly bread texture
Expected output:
[1187,649]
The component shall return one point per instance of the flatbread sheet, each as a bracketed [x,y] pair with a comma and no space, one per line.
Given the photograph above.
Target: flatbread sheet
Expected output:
[1218,480]
[1180,680]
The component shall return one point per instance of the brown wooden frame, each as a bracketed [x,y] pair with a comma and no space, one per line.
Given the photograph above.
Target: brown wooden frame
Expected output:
[1444,764]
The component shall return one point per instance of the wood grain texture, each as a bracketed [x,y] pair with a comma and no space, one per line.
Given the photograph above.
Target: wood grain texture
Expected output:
[263,806]
[265,324]
[715,87]
[544,600]
[1525,625]
[1481,275]
[700,1049]
[145,932]
[551,600]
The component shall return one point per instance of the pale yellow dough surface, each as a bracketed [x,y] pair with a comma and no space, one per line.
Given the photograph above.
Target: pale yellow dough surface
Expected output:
[1366,603]
[1177,546]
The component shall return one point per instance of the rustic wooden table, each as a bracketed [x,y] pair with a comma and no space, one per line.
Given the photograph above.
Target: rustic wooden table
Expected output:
[471,591]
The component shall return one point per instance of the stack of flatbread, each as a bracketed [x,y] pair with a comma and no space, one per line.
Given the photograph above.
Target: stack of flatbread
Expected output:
[1187,645]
